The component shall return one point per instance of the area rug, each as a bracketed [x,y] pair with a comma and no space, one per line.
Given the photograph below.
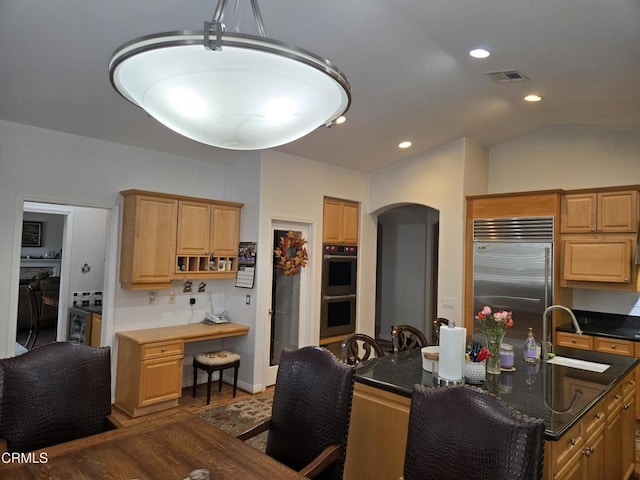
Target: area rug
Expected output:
[239,416]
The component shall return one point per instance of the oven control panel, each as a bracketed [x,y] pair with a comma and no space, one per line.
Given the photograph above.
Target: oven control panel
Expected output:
[341,250]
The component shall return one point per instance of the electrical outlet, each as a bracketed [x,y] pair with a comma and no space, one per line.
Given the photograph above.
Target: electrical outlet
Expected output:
[172,298]
[448,302]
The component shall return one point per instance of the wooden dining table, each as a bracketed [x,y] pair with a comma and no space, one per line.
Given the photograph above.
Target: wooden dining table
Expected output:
[167,449]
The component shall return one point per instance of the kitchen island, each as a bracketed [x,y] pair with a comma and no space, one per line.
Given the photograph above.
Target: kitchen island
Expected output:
[589,416]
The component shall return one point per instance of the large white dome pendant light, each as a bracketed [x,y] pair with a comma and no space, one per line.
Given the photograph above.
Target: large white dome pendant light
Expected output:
[230,90]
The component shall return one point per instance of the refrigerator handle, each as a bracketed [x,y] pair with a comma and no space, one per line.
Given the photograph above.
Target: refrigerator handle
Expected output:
[547,276]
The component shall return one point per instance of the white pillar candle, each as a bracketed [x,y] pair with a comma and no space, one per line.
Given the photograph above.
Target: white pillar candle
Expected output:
[452,344]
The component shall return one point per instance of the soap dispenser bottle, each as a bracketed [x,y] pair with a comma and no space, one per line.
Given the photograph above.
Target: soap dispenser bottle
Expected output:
[530,348]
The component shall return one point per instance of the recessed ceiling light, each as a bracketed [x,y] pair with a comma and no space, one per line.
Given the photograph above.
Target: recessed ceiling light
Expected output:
[405,144]
[533,98]
[479,53]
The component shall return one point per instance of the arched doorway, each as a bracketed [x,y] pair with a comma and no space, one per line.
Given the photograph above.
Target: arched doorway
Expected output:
[407,269]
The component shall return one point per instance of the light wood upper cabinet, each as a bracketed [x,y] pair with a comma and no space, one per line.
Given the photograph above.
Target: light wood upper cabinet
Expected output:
[148,240]
[598,258]
[208,236]
[604,259]
[225,230]
[602,212]
[194,219]
[340,221]
[167,237]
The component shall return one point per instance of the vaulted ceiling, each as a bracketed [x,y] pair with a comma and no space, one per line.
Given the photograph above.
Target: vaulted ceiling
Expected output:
[407,61]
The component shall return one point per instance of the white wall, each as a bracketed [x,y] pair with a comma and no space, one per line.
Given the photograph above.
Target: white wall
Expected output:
[572,158]
[46,166]
[293,189]
[88,245]
[403,274]
[566,158]
[435,179]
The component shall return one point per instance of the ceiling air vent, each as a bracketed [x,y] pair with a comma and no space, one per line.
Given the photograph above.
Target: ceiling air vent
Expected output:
[506,76]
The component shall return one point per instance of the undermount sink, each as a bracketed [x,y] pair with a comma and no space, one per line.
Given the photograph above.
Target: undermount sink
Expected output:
[581,364]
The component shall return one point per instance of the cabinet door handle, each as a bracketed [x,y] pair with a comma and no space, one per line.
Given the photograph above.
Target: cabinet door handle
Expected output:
[572,441]
[588,451]
[163,349]
[598,416]
[573,341]
[625,406]
[617,397]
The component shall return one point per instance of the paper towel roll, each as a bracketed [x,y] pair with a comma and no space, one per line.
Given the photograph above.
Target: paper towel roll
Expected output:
[452,344]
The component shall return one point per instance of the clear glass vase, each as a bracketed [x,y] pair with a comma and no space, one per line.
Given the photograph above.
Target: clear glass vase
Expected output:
[494,339]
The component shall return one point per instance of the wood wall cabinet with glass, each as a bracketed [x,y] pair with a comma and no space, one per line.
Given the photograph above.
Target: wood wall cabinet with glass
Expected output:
[340,221]
[147,255]
[208,236]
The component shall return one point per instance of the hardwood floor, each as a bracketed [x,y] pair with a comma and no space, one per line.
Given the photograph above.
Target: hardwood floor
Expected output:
[187,404]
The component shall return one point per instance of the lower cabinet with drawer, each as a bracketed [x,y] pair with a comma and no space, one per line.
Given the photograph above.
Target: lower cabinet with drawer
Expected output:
[601,445]
[149,376]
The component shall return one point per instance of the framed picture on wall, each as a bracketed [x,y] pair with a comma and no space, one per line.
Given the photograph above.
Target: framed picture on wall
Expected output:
[31,234]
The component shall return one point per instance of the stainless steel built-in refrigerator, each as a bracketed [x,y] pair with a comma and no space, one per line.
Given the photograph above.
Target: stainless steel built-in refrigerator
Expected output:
[513,270]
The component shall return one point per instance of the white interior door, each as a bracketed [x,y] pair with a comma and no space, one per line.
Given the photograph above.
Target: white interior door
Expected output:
[288,315]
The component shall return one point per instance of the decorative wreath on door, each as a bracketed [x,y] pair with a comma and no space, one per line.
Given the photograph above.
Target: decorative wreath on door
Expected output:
[291,254]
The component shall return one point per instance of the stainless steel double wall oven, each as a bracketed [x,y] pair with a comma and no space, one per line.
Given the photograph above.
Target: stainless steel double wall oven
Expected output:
[339,273]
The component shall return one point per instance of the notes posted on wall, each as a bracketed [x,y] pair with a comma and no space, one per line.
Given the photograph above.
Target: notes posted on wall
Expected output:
[246,265]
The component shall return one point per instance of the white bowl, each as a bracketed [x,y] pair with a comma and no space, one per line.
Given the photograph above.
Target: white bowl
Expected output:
[429,364]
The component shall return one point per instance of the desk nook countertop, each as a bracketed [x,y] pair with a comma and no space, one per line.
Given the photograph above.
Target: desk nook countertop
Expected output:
[565,398]
[149,370]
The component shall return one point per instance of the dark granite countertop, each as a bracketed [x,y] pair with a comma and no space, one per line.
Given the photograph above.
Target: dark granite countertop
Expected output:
[542,390]
[624,327]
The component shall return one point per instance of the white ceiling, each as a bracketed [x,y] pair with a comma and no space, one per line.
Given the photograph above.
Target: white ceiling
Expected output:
[407,62]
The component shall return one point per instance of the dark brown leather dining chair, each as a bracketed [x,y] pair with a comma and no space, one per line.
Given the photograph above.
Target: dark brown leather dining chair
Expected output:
[465,432]
[359,347]
[435,329]
[54,393]
[407,337]
[311,412]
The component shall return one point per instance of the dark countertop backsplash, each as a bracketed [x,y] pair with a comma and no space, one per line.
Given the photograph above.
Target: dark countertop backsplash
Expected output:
[612,325]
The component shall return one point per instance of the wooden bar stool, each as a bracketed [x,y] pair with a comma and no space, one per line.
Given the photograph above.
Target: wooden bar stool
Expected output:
[215,362]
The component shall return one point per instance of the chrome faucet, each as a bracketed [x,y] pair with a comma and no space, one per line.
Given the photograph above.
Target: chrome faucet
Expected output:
[546,343]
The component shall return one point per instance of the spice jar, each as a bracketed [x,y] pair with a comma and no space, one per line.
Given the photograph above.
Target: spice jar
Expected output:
[506,356]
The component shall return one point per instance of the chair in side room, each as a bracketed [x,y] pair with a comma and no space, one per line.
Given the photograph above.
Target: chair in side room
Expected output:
[39,315]
[54,393]
[359,347]
[212,362]
[466,432]
[311,412]
[407,337]
[435,329]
